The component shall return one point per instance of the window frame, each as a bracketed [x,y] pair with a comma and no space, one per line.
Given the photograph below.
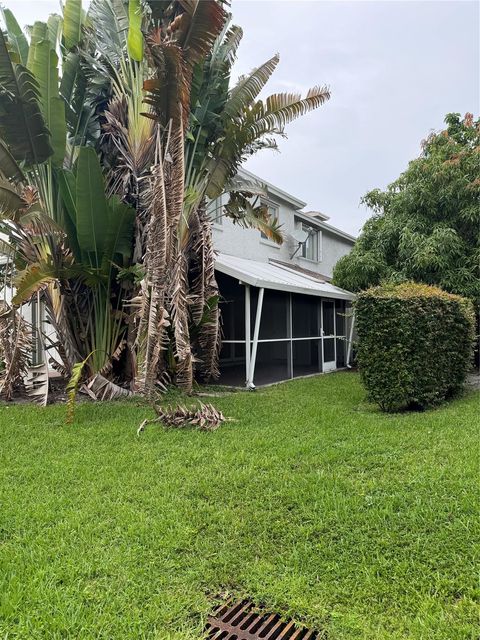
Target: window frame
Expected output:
[216,221]
[315,237]
[270,204]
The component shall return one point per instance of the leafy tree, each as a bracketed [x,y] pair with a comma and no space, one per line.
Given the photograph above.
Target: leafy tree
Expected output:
[426,224]
[116,126]
[67,240]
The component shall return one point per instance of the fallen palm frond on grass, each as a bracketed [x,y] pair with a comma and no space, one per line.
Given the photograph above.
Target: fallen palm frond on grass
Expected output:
[205,417]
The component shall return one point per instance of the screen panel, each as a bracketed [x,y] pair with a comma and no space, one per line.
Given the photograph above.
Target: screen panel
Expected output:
[305,316]
[307,357]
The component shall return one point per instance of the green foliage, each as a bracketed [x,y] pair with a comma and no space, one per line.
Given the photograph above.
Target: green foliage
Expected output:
[72,23]
[22,126]
[425,225]
[43,63]
[17,38]
[415,344]
[135,36]
[72,388]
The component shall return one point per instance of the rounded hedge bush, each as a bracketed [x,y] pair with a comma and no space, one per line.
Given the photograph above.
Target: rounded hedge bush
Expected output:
[414,344]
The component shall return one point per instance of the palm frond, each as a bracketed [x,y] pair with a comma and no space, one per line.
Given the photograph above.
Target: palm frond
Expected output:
[37,383]
[15,349]
[248,88]
[242,212]
[282,108]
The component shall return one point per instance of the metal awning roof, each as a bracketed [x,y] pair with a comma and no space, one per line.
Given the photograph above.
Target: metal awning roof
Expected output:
[274,276]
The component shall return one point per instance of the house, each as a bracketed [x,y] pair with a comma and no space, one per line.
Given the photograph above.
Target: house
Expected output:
[282,317]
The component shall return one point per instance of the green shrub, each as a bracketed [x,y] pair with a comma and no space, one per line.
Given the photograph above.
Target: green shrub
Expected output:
[414,344]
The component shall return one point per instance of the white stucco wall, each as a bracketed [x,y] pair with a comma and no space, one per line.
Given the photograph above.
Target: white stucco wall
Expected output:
[235,240]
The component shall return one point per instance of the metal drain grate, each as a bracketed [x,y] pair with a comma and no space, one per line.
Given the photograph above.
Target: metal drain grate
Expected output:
[242,621]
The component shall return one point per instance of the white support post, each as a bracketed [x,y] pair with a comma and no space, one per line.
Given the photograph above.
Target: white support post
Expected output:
[322,333]
[290,337]
[256,331]
[350,339]
[247,334]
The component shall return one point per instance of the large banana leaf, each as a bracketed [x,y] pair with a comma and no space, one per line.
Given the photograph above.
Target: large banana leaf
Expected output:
[54,29]
[111,21]
[10,200]
[72,23]
[135,37]
[22,125]
[121,220]
[44,65]
[16,37]
[67,187]
[8,165]
[38,32]
[71,71]
[119,228]
[91,206]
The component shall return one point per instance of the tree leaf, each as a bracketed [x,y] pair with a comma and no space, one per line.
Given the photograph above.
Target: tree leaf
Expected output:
[31,279]
[10,200]
[121,222]
[91,205]
[67,188]
[22,125]
[72,23]
[38,32]
[16,37]
[44,65]
[54,29]
[8,165]
[135,36]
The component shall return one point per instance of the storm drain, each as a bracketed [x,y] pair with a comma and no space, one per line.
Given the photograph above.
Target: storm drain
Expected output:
[242,621]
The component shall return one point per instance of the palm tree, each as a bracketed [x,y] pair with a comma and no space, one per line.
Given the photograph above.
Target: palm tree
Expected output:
[206,130]
[148,90]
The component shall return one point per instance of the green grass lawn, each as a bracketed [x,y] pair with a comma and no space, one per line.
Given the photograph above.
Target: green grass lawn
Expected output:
[311,502]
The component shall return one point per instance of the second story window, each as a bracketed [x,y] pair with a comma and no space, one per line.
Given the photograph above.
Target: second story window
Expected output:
[215,210]
[273,214]
[310,246]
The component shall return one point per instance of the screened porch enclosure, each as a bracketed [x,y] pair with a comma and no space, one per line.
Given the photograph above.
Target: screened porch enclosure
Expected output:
[271,335]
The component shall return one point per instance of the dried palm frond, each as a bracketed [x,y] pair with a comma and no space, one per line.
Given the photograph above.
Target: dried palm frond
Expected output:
[15,349]
[102,389]
[205,417]
[37,383]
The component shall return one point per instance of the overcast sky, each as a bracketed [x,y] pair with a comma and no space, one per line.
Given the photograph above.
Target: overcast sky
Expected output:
[394,70]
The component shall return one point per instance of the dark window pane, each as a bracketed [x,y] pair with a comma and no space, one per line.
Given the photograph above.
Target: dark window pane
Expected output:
[328,311]
[272,362]
[305,316]
[232,307]
[232,365]
[341,351]
[274,314]
[339,318]
[329,350]
[306,357]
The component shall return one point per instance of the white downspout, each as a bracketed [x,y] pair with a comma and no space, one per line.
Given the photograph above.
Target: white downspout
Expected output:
[247,333]
[256,331]
[350,339]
